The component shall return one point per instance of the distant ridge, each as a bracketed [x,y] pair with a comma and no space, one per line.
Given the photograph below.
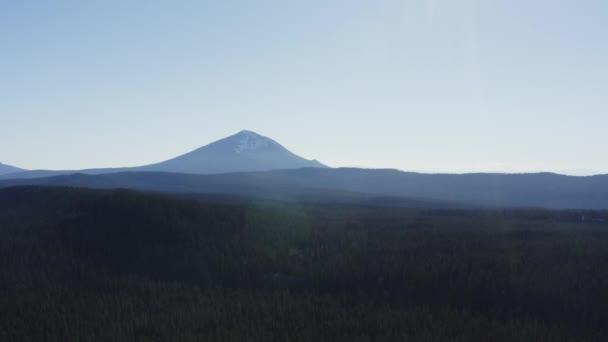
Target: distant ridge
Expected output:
[374,187]
[245,151]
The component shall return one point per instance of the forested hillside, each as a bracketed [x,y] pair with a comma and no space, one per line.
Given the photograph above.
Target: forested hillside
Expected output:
[88,265]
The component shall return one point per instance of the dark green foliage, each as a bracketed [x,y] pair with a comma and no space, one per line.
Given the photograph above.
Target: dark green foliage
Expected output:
[84,265]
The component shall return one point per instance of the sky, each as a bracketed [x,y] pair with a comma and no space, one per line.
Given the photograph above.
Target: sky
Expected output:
[418,85]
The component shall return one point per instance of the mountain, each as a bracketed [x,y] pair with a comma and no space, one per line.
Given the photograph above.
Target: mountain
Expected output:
[7,169]
[245,151]
[374,187]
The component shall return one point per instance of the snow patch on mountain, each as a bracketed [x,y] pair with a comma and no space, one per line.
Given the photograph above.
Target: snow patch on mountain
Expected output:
[250,141]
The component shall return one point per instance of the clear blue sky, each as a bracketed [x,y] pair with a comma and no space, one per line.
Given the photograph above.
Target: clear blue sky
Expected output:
[430,85]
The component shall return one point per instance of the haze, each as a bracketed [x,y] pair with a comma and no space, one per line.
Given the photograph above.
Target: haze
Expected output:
[439,86]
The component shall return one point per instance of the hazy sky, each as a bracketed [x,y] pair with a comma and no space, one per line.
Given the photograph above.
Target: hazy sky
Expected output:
[431,85]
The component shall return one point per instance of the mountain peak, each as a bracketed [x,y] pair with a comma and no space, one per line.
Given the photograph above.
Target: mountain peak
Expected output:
[249,141]
[247,132]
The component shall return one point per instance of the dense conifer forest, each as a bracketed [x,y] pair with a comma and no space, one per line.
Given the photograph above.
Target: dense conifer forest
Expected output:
[88,265]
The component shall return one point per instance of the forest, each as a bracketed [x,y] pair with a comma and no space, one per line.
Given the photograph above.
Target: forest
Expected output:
[121,265]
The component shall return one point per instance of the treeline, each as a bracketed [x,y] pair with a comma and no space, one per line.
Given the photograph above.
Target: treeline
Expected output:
[85,265]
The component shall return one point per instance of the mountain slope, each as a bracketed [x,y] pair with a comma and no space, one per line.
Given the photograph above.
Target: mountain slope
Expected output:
[7,169]
[382,187]
[245,151]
